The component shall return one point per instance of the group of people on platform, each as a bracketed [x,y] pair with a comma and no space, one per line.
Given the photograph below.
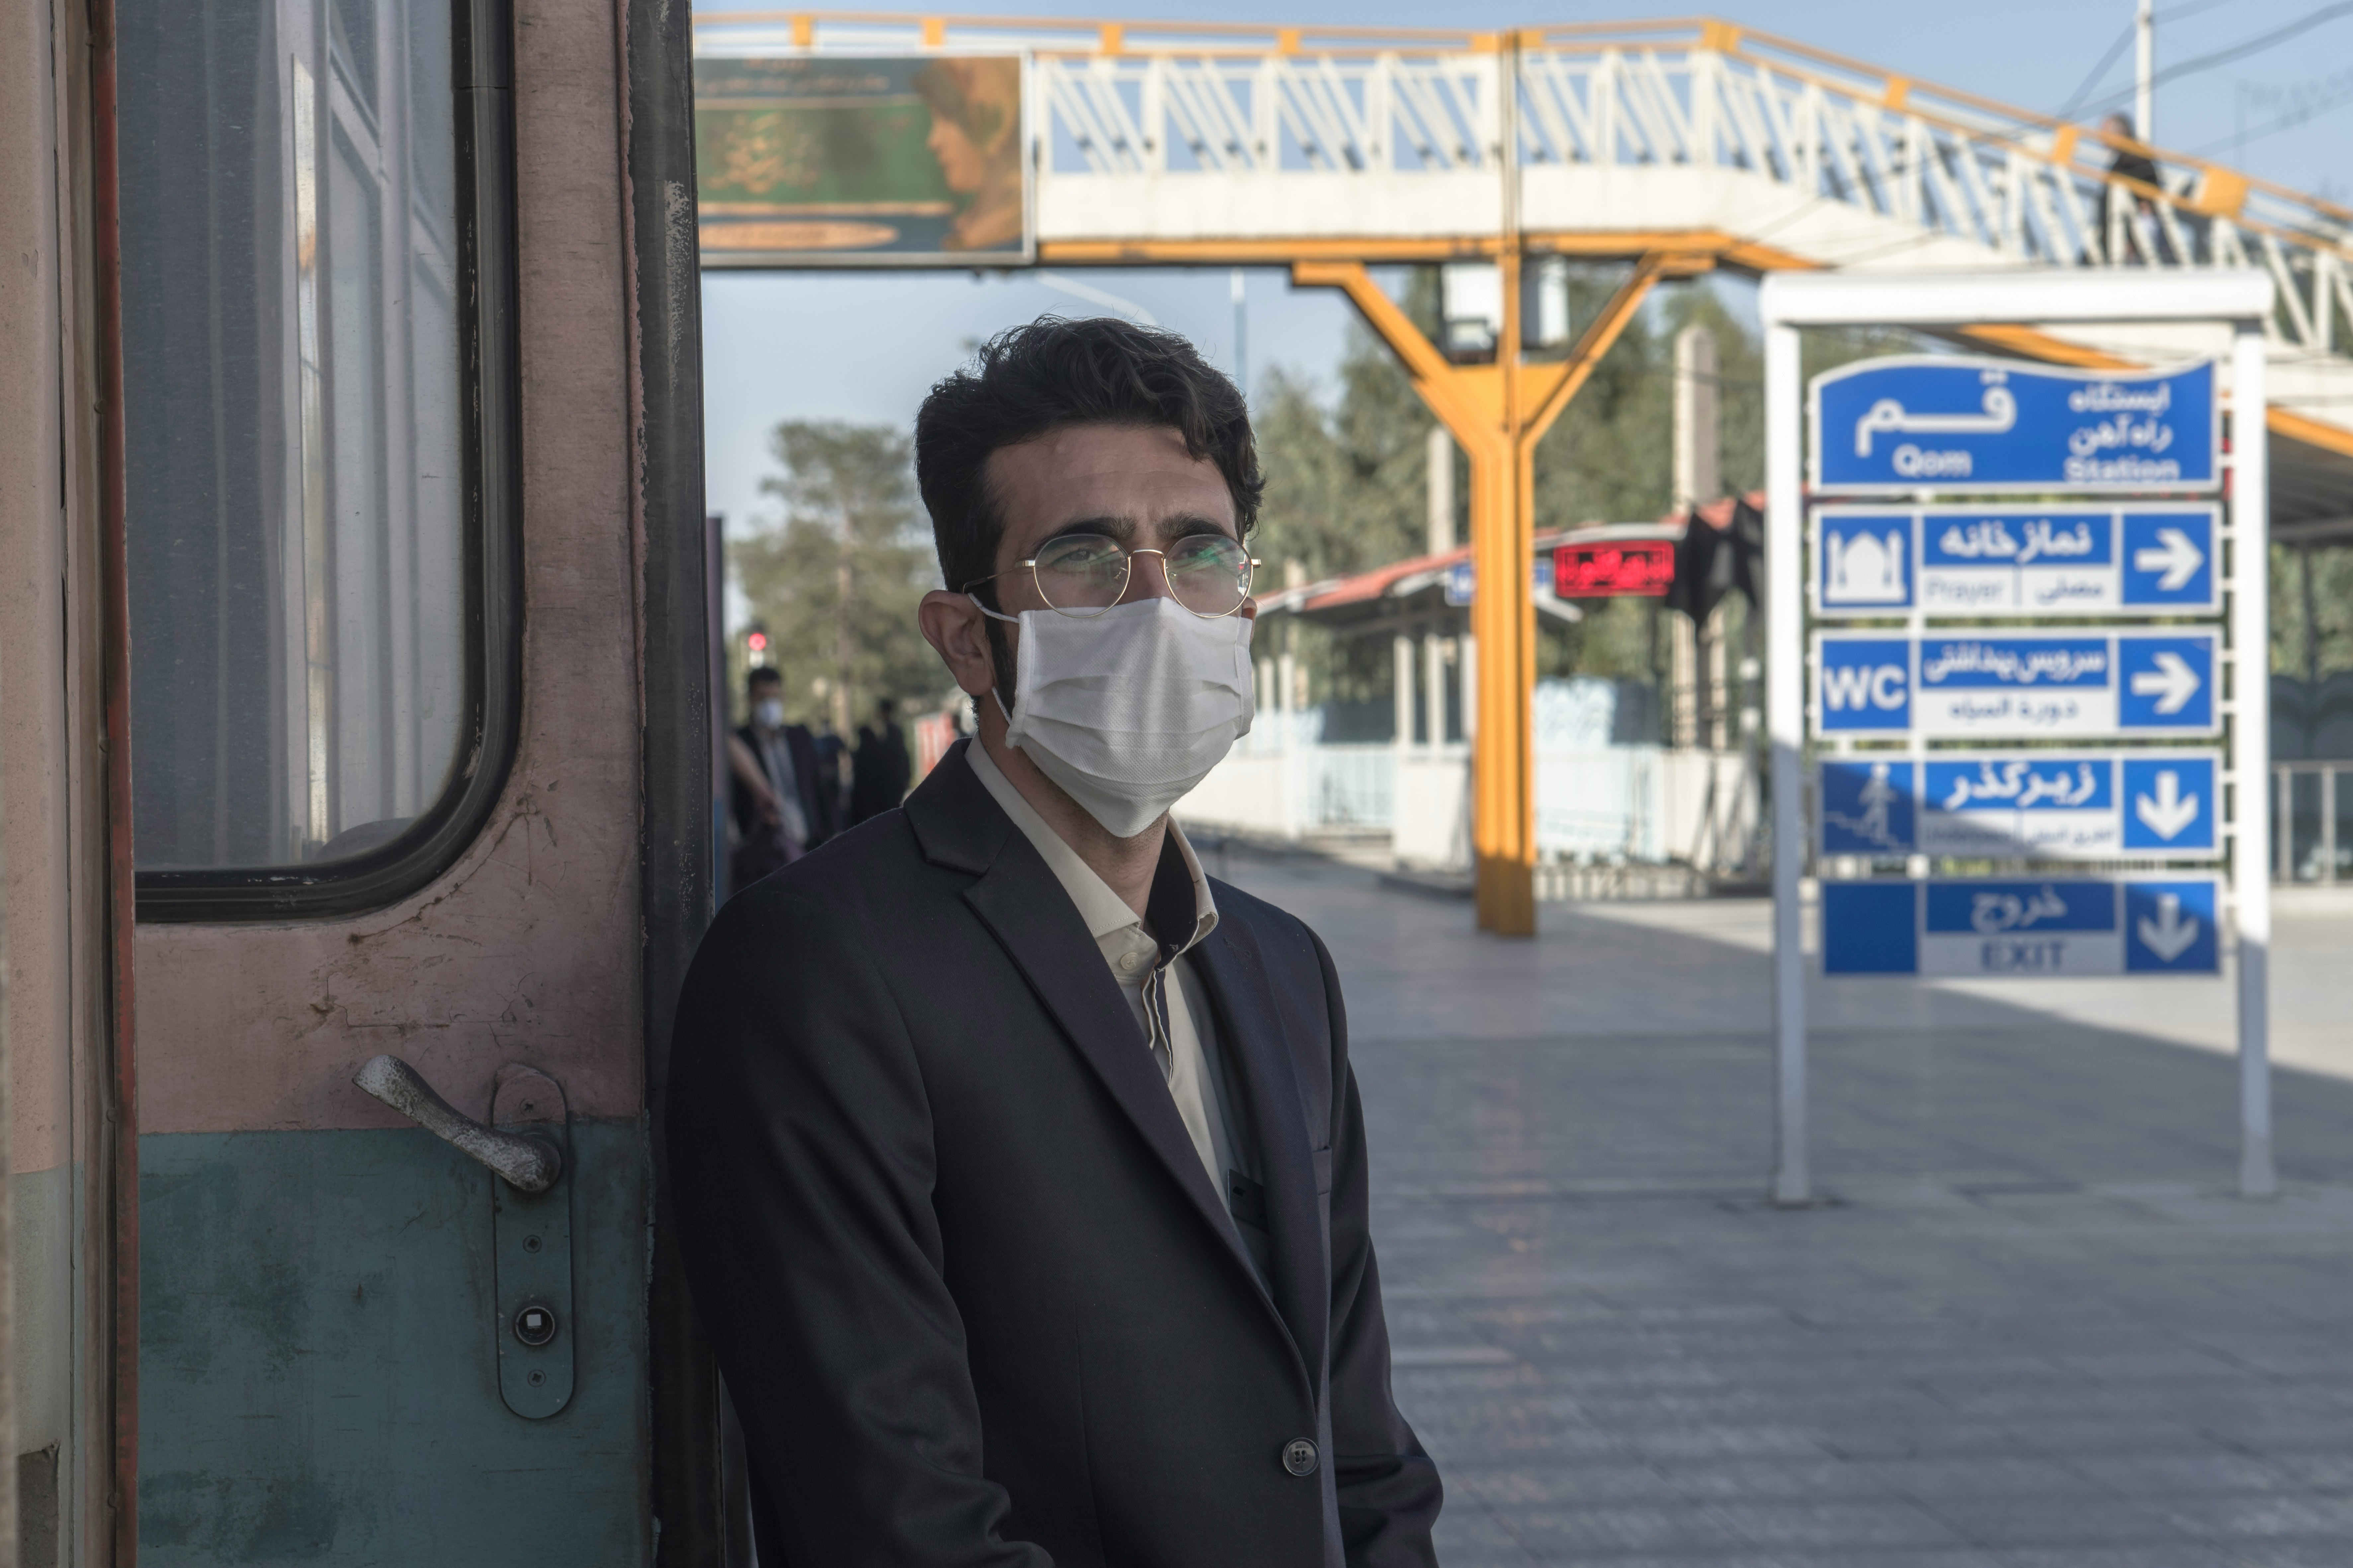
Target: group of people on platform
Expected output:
[791,789]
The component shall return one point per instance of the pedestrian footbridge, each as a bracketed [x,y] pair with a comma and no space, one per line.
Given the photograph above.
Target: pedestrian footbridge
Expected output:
[1677,148]
[1185,142]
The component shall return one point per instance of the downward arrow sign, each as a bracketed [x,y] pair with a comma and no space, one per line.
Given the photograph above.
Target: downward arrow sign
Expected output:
[2170,934]
[2175,556]
[2168,811]
[2173,683]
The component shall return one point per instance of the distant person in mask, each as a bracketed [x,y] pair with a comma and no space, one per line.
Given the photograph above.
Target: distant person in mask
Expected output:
[1019,1167]
[794,813]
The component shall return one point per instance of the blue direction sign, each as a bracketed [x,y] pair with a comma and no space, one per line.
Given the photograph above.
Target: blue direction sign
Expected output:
[2025,805]
[2042,805]
[2022,928]
[1995,685]
[1964,424]
[2151,559]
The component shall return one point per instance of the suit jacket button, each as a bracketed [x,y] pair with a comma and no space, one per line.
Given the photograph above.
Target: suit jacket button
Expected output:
[1299,1457]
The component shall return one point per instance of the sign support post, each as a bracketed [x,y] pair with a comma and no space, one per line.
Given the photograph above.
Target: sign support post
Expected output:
[1785,730]
[2241,300]
[2250,752]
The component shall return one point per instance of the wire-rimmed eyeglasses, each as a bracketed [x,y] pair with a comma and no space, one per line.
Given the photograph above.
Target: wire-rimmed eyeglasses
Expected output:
[1083,574]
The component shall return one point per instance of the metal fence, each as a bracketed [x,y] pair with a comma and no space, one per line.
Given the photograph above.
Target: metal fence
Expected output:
[1345,786]
[2311,822]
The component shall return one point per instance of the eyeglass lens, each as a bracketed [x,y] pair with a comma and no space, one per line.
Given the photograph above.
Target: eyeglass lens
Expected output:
[1083,573]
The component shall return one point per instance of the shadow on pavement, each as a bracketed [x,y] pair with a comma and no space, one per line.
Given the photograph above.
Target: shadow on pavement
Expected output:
[2030,1326]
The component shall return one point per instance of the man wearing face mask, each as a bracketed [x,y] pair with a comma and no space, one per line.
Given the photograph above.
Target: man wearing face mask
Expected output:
[1019,1166]
[780,808]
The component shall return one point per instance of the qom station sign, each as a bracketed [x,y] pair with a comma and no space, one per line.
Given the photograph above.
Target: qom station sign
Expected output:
[1887,426]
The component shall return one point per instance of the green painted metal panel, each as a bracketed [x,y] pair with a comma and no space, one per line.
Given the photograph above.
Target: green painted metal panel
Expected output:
[318,1367]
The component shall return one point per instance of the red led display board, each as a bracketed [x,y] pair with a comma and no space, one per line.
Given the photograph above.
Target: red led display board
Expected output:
[1621,567]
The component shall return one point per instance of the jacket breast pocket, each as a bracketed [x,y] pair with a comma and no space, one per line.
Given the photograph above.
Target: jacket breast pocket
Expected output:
[1323,1171]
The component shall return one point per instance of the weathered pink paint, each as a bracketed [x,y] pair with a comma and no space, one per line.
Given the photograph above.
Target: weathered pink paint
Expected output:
[528,949]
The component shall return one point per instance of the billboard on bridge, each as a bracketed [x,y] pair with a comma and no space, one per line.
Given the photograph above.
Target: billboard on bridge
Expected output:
[835,159]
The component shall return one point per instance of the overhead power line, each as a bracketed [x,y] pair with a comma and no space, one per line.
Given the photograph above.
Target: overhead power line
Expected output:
[2238,51]
[2100,71]
[2098,74]
[2335,96]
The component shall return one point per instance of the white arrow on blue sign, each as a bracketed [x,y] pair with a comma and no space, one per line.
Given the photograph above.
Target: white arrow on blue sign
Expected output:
[1988,425]
[2034,928]
[2154,558]
[2043,805]
[1997,685]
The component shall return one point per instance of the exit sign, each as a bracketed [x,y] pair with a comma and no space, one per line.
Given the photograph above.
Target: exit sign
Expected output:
[1642,566]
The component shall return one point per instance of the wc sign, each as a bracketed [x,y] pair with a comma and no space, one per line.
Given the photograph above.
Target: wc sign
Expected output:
[1969,684]
[1865,684]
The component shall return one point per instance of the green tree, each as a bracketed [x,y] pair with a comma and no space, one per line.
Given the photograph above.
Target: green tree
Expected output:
[1346,488]
[837,580]
[2312,616]
[1346,484]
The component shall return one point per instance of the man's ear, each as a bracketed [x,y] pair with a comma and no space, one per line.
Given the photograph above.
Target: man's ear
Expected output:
[957,632]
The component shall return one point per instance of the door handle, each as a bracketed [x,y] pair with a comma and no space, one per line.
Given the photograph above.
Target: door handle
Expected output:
[524,1161]
[531,1225]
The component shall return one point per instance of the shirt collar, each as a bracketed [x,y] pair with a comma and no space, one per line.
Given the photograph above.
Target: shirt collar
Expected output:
[1104,911]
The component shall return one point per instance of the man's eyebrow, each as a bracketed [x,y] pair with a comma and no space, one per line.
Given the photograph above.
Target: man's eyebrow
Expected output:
[1187,524]
[1121,529]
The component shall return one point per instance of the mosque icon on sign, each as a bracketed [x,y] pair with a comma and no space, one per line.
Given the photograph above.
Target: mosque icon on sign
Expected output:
[1867,561]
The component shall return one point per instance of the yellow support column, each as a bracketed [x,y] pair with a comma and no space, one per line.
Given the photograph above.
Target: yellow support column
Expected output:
[1503,618]
[1498,413]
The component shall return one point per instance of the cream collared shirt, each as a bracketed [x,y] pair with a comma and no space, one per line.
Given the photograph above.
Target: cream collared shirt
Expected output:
[1191,1068]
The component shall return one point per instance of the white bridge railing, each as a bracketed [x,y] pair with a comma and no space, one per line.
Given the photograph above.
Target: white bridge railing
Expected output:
[1935,169]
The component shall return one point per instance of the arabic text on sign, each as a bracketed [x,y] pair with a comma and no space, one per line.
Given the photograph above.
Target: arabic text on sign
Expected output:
[1999,412]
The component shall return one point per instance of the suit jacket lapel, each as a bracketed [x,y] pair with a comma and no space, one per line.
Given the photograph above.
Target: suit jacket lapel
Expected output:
[1018,898]
[1231,971]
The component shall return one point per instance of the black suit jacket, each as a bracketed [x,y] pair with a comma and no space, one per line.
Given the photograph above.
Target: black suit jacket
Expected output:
[820,804]
[974,1295]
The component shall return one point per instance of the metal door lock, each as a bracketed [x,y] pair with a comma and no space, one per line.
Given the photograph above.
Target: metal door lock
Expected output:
[528,1145]
[534,1325]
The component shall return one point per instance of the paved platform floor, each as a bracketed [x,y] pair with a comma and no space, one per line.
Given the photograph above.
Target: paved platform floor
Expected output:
[2029,1327]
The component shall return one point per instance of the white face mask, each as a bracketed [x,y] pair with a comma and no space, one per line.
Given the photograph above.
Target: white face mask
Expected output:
[1129,710]
[768,715]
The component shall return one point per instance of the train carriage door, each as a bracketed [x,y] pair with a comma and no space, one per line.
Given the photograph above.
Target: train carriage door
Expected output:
[419,779]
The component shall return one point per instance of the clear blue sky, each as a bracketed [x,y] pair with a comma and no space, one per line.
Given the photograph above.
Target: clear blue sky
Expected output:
[864,347]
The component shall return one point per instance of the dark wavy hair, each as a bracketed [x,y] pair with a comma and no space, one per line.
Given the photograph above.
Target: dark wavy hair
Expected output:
[1051,374]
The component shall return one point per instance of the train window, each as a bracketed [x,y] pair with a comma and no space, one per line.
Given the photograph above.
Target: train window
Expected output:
[308,492]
